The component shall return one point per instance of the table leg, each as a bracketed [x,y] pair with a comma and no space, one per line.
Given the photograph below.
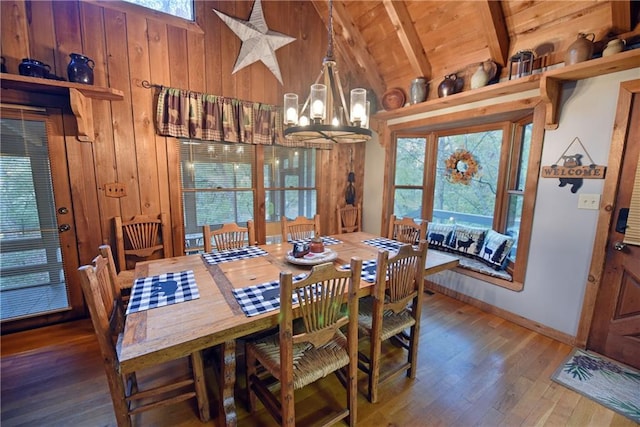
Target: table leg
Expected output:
[227,385]
[200,386]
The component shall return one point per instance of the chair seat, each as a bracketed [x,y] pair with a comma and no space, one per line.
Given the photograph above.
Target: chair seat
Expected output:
[125,279]
[392,323]
[309,363]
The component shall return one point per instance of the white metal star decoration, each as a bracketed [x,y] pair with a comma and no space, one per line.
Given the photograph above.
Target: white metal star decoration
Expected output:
[258,42]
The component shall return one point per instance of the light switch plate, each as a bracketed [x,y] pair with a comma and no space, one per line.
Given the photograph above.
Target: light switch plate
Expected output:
[589,201]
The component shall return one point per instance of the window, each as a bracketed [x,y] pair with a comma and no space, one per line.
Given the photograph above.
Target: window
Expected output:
[469,176]
[179,8]
[289,181]
[220,184]
[217,186]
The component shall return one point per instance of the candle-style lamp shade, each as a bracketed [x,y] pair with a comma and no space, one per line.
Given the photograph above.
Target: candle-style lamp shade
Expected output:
[358,106]
[365,120]
[318,102]
[290,109]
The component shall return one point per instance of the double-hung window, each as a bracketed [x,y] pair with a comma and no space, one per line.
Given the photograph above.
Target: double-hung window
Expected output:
[223,183]
[471,176]
[217,186]
[290,186]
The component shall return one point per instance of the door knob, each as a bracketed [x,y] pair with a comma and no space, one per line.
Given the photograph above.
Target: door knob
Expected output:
[64,227]
[619,246]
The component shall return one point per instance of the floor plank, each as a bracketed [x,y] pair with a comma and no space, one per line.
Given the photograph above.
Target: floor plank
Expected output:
[474,369]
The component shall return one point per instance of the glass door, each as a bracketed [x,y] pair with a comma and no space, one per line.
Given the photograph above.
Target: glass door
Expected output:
[32,268]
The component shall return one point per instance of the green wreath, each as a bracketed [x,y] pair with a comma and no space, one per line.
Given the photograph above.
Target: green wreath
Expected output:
[461,167]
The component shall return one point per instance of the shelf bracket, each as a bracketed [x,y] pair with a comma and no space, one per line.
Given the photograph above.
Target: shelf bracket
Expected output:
[550,91]
[83,111]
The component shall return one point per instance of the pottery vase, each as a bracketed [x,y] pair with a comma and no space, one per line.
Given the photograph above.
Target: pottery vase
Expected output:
[80,69]
[33,68]
[614,46]
[418,90]
[448,86]
[479,78]
[580,50]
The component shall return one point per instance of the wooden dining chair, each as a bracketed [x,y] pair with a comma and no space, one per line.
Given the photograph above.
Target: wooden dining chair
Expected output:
[394,307]
[300,228]
[229,236]
[106,253]
[349,218]
[139,238]
[315,347]
[407,230]
[107,316]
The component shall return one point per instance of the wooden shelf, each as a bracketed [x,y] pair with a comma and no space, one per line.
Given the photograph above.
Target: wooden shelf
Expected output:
[492,91]
[549,82]
[35,84]
[79,95]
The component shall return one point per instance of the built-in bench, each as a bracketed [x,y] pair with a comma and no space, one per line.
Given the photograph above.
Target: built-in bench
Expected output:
[482,250]
[479,266]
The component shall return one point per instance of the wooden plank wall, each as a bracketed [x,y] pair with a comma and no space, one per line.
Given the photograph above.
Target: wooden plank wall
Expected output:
[129,47]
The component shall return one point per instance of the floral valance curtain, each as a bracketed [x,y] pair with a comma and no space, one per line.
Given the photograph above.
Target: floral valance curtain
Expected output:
[194,115]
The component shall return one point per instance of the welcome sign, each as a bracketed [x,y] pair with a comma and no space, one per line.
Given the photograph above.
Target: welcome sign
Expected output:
[571,171]
[586,172]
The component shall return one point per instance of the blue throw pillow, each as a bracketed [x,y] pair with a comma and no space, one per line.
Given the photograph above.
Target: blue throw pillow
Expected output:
[439,235]
[468,240]
[495,250]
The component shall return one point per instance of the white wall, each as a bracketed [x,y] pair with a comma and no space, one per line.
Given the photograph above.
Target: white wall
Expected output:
[373,185]
[562,235]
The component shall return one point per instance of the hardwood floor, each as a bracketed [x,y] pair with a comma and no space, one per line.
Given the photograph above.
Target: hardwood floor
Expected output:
[474,369]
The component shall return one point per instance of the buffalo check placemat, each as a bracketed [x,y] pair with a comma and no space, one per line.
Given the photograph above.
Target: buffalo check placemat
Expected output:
[233,254]
[368,272]
[384,243]
[161,290]
[258,299]
[326,240]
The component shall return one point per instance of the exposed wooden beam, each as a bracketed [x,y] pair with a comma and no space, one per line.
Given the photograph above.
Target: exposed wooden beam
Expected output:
[496,30]
[620,17]
[401,20]
[351,43]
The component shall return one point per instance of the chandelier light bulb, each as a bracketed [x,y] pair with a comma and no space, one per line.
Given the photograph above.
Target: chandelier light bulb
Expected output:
[318,101]
[304,121]
[358,99]
[290,109]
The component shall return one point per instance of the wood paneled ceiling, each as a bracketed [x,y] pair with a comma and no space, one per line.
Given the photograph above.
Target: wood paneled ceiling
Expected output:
[388,43]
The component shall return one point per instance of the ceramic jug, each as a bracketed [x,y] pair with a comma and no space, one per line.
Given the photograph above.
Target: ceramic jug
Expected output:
[80,69]
[580,50]
[614,46]
[448,86]
[33,68]
[418,90]
[479,78]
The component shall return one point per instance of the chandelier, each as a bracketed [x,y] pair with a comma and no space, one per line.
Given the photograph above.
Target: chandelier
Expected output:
[324,117]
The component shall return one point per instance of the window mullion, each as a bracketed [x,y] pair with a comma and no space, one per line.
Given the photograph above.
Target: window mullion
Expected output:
[504,178]
[430,170]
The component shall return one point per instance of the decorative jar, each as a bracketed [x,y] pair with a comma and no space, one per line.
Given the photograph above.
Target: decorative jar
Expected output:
[418,90]
[80,69]
[614,46]
[479,78]
[580,50]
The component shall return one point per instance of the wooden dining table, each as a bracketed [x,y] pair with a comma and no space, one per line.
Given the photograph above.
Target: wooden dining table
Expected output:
[215,318]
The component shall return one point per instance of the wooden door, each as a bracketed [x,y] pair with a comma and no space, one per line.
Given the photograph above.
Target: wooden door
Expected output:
[615,330]
[39,284]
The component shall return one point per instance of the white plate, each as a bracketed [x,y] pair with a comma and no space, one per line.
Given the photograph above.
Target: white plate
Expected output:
[313,258]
